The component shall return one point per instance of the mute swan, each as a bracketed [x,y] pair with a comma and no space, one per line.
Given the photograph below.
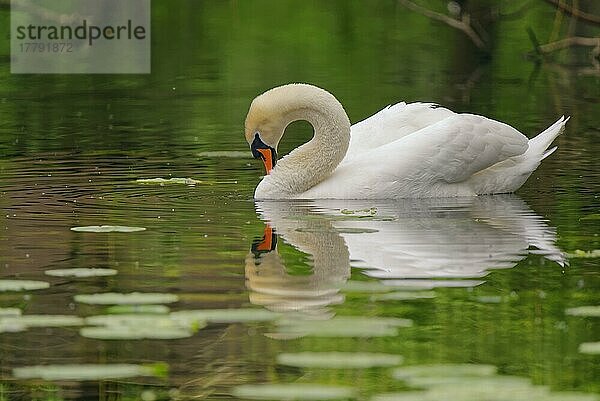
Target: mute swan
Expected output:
[410,150]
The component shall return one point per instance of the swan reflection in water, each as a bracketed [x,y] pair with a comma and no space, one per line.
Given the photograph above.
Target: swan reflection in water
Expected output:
[411,242]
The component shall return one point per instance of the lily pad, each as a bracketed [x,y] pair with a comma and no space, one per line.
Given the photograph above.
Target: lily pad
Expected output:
[578,253]
[289,392]
[10,312]
[88,371]
[144,309]
[22,285]
[339,360]
[11,326]
[590,348]
[133,298]
[446,370]
[233,154]
[471,382]
[366,286]
[42,320]
[107,229]
[404,296]
[241,315]
[168,181]
[135,333]
[588,311]
[344,326]
[423,284]
[489,299]
[81,272]
[133,320]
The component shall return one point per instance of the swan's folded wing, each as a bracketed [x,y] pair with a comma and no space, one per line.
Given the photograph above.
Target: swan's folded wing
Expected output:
[393,123]
[461,145]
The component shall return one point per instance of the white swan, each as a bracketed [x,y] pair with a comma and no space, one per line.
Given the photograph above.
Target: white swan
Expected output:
[410,150]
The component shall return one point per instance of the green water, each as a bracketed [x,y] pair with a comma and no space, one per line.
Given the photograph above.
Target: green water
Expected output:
[484,281]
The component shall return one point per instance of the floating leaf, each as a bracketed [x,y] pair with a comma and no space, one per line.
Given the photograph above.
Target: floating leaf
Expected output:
[590,348]
[42,320]
[344,326]
[471,382]
[426,284]
[164,181]
[233,154]
[404,296]
[591,310]
[403,396]
[225,315]
[107,229]
[145,309]
[10,312]
[133,298]
[138,326]
[578,253]
[339,360]
[135,333]
[356,230]
[81,272]
[134,320]
[295,392]
[489,299]
[366,286]
[87,371]
[445,370]
[22,285]
[11,326]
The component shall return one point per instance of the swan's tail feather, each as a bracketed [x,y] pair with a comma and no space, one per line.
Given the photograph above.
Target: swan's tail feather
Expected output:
[549,152]
[540,143]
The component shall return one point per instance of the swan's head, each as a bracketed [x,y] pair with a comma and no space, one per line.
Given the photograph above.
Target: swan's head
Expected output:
[271,112]
[265,124]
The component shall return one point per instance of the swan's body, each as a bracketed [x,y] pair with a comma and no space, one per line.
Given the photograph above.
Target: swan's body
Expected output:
[403,151]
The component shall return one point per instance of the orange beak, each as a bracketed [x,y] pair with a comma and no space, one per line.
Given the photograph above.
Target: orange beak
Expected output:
[267,158]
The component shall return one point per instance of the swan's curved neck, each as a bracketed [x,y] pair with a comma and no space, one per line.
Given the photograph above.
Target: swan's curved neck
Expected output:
[312,162]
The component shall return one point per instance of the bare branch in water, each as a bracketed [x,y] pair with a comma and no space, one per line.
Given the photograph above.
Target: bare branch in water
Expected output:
[582,15]
[463,24]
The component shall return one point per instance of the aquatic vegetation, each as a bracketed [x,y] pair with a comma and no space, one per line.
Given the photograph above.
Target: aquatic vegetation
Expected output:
[343,326]
[292,392]
[138,327]
[472,382]
[339,360]
[241,315]
[445,370]
[590,348]
[10,312]
[133,298]
[578,253]
[89,371]
[233,154]
[13,323]
[403,296]
[81,272]
[135,333]
[145,309]
[22,285]
[107,229]
[169,181]
[588,311]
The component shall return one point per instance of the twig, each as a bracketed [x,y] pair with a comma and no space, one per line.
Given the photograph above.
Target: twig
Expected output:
[462,24]
[582,15]
[569,42]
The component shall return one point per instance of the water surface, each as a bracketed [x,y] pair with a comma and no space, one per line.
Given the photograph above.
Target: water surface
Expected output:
[406,300]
